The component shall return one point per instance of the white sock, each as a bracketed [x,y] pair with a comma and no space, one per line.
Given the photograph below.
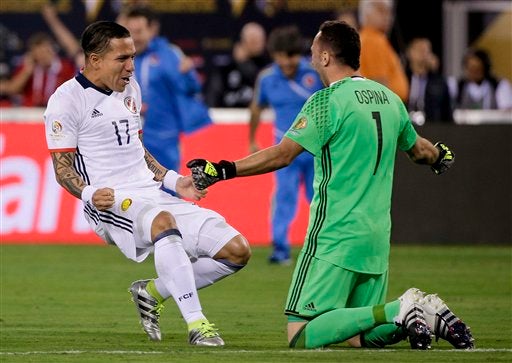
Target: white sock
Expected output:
[175,272]
[207,271]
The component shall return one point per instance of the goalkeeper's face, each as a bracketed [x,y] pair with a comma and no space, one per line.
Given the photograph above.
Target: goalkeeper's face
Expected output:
[289,63]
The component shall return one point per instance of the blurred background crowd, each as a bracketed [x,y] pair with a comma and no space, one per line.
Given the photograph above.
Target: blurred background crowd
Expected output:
[437,55]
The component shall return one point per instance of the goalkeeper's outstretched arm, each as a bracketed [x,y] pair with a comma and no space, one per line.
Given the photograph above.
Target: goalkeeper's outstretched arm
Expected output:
[206,173]
[270,159]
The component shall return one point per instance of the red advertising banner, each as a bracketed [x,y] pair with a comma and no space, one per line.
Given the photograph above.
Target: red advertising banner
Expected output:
[35,209]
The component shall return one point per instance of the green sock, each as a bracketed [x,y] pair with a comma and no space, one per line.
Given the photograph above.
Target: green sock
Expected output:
[386,313]
[151,288]
[334,327]
[382,335]
[338,325]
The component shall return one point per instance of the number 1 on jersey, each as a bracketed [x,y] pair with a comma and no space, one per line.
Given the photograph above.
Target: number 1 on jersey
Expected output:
[378,123]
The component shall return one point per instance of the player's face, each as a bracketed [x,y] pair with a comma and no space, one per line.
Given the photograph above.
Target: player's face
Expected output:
[316,58]
[288,63]
[141,31]
[116,64]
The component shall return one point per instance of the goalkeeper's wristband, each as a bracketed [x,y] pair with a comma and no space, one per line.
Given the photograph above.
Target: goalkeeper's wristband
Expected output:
[227,169]
[87,194]
[170,180]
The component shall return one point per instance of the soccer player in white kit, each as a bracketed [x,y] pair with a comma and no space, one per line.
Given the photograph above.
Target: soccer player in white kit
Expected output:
[93,126]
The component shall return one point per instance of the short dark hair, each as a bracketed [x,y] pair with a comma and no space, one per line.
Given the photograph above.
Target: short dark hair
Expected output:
[286,39]
[96,37]
[343,40]
[141,11]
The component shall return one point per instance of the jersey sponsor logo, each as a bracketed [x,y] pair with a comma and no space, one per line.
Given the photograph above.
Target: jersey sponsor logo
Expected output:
[125,204]
[56,127]
[300,124]
[96,113]
[129,102]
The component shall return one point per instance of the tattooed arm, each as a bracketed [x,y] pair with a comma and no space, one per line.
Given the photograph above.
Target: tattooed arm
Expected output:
[69,179]
[154,166]
[66,174]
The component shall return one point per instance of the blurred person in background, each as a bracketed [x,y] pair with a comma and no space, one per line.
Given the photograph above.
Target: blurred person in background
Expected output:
[232,85]
[429,97]
[285,86]
[170,88]
[479,89]
[64,36]
[40,73]
[379,61]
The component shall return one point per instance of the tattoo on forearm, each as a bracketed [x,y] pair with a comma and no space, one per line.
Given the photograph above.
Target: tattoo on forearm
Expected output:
[66,174]
[155,166]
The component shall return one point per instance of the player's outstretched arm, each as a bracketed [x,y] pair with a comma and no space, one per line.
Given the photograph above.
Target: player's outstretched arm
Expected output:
[69,179]
[206,173]
[438,156]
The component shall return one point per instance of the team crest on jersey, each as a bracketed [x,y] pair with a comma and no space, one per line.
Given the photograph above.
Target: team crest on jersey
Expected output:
[300,124]
[129,102]
[56,127]
[308,80]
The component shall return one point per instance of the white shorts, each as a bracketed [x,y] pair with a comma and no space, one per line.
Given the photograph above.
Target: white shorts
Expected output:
[128,223]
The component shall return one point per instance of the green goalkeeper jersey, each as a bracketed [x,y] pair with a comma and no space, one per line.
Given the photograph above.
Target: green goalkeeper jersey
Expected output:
[353,129]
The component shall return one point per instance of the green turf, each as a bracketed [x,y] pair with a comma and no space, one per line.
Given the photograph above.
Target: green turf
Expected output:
[70,304]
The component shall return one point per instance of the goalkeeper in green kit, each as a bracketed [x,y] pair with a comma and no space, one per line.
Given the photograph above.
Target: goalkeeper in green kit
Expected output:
[353,128]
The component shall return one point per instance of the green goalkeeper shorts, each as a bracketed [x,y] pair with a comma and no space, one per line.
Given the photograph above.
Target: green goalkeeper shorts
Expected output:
[319,286]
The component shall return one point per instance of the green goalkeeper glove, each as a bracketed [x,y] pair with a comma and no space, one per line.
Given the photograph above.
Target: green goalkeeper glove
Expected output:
[445,159]
[206,173]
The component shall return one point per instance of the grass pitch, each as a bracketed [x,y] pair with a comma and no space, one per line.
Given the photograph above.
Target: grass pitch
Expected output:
[70,304]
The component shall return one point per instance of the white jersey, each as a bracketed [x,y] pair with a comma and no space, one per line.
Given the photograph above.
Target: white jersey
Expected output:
[103,128]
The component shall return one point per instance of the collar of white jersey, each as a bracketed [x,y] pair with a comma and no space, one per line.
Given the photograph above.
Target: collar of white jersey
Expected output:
[85,83]
[354,78]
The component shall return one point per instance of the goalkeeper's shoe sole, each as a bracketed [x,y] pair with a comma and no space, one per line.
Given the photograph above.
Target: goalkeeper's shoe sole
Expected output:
[148,309]
[412,320]
[445,324]
[205,335]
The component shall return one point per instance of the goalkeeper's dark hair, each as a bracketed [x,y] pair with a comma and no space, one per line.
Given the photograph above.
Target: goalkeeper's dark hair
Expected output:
[142,11]
[343,40]
[96,37]
[286,39]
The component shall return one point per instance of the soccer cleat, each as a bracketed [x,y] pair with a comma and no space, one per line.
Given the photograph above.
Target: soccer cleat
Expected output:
[205,335]
[148,308]
[412,320]
[445,324]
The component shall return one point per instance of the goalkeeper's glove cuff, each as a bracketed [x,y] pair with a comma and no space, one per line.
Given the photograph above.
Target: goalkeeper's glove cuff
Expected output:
[170,180]
[227,169]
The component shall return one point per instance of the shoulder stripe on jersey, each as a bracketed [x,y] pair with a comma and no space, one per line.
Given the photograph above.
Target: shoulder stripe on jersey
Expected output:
[110,218]
[66,150]
[311,243]
[79,165]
